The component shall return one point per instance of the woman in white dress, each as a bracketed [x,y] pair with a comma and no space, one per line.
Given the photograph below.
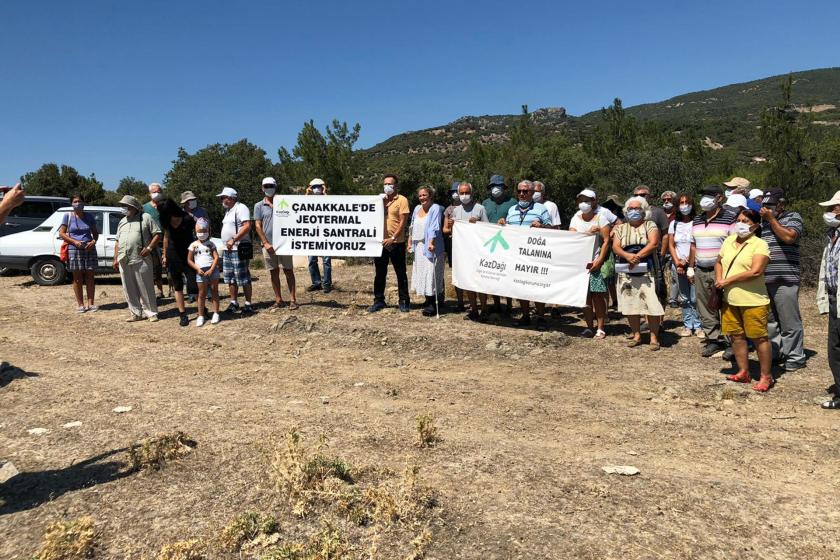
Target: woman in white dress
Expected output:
[426,242]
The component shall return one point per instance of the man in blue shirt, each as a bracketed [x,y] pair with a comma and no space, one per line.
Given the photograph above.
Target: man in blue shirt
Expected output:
[527,213]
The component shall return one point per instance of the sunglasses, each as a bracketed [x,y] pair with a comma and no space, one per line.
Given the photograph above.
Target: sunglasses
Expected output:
[525,191]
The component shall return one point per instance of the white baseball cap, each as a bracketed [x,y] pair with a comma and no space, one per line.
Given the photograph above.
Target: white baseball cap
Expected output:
[737,200]
[316,182]
[755,193]
[229,192]
[269,181]
[588,193]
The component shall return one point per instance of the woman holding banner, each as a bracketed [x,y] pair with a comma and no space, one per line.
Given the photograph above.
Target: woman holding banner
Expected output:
[634,243]
[425,240]
[590,222]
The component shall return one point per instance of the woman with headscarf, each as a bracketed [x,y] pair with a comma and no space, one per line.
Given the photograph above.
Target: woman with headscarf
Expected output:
[137,237]
[634,243]
[426,242]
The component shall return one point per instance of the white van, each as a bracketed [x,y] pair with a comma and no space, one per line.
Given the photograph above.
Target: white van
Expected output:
[39,250]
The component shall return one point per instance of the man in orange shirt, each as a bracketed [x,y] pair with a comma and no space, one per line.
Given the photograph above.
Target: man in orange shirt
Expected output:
[393,246]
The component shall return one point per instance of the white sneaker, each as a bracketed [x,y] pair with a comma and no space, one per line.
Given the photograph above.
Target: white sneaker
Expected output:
[199,322]
[215,319]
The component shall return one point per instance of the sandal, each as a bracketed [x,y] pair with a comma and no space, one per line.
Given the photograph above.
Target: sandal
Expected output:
[740,377]
[599,334]
[278,305]
[293,305]
[655,346]
[763,385]
[587,333]
[633,343]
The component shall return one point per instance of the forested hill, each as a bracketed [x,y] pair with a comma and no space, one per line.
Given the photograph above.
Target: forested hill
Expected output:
[727,115]
[814,88]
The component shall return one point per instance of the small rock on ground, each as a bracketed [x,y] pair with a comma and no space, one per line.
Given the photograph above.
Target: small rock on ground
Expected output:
[625,470]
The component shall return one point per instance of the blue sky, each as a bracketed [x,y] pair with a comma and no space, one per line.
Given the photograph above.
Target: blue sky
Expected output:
[115,88]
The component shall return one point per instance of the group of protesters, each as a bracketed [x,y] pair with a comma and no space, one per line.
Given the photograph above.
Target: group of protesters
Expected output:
[729,261]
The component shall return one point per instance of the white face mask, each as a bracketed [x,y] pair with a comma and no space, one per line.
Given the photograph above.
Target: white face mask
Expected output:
[667,205]
[831,219]
[269,192]
[707,203]
[585,207]
[465,198]
[124,211]
[742,230]
[496,192]
[204,236]
[685,209]
[157,196]
[537,196]
[455,196]
[389,189]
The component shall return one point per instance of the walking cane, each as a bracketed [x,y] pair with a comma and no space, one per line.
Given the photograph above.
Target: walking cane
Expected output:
[434,276]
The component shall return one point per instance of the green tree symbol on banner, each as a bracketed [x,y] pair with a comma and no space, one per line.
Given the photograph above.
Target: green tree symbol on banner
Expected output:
[283,204]
[497,240]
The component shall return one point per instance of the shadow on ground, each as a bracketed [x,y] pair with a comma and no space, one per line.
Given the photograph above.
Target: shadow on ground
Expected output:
[9,373]
[28,490]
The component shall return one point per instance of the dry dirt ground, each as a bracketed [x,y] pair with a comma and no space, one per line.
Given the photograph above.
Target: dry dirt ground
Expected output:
[526,422]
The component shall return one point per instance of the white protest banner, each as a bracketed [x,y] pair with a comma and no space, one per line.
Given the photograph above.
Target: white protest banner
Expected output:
[328,225]
[535,264]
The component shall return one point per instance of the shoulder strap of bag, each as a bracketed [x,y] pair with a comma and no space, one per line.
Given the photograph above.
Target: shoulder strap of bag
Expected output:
[734,259]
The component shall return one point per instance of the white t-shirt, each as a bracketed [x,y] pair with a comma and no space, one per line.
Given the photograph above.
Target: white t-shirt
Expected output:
[202,253]
[682,237]
[233,221]
[582,226]
[607,213]
[553,213]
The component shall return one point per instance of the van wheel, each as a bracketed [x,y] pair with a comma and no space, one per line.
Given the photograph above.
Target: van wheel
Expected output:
[48,272]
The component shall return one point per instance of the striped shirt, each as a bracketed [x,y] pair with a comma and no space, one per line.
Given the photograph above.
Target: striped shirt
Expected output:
[708,237]
[535,212]
[784,267]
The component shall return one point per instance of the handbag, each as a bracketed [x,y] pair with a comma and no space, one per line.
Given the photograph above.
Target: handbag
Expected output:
[244,249]
[608,268]
[64,251]
[715,301]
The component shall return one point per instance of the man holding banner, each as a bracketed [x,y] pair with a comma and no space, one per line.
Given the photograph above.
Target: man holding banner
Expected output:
[528,213]
[471,212]
[393,246]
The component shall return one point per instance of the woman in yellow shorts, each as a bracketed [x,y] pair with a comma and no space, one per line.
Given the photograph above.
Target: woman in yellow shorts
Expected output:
[740,272]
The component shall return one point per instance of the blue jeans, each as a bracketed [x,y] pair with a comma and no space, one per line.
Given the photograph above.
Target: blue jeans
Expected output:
[315,274]
[688,300]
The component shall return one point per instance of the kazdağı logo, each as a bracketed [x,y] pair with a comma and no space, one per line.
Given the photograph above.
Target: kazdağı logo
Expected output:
[283,204]
[497,239]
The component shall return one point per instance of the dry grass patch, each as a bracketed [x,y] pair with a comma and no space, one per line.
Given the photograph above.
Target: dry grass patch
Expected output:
[68,540]
[184,550]
[427,432]
[247,528]
[154,453]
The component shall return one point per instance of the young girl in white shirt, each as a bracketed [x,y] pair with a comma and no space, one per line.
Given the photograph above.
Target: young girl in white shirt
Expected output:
[204,259]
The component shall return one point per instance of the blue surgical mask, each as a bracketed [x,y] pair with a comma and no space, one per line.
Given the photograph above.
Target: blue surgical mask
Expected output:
[685,209]
[524,203]
[633,215]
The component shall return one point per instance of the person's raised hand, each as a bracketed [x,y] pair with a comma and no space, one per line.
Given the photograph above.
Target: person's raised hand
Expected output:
[14,196]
